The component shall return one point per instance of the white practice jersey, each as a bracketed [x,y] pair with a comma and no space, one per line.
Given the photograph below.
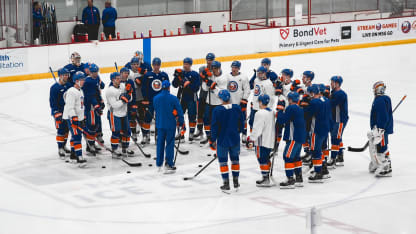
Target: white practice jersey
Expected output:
[74,104]
[286,89]
[263,87]
[263,133]
[132,76]
[239,87]
[115,105]
[222,82]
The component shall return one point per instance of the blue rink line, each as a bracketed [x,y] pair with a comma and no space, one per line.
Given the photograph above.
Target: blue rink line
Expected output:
[395,120]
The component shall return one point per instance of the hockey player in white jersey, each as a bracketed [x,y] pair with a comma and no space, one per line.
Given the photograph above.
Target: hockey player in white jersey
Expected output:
[261,86]
[263,137]
[213,84]
[117,101]
[74,115]
[239,89]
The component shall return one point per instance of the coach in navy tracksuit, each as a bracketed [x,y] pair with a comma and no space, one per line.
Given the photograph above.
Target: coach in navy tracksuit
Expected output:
[91,19]
[227,124]
[168,110]
[109,20]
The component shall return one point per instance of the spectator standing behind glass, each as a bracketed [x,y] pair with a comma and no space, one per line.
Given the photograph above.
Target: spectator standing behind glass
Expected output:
[109,20]
[37,19]
[91,19]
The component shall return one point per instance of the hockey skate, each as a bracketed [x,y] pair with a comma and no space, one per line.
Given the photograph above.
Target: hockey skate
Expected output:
[265,182]
[134,136]
[243,139]
[73,157]
[315,177]
[203,142]
[289,183]
[145,140]
[91,149]
[384,169]
[67,151]
[198,134]
[325,172]
[82,162]
[236,183]
[178,136]
[307,157]
[169,169]
[299,181]
[226,186]
[100,138]
[61,153]
[339,161]
[191,137]
[116,154]
[372,167]
[331,163]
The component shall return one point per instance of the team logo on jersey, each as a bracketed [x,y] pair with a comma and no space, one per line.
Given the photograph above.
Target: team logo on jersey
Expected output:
[232,86]
[257,90]
[406,26]
[156,85]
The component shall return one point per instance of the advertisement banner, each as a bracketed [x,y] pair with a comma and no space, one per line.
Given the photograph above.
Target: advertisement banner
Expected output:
[309,36]
[370,31]
[13,61]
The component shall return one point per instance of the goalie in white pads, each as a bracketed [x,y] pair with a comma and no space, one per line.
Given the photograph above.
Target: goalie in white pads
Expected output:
[381,123]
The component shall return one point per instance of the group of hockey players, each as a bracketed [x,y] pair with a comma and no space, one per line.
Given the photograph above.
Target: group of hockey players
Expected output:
[302,113]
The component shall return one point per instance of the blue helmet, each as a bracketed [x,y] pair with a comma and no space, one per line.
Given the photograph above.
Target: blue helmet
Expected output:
[63,71]
[236,64]
[337,79]
[135,60]
[216,64]
[94,68]
[313,89]
[125,69]
[288,72]
[224,95]
[322,88]
[261,69]
[114,75]
[78,76]
[294,96]
[188,60]
[87,65]
[156,61]
[165,84]
[266,61]
[264,99]
[210,56]
[309,74]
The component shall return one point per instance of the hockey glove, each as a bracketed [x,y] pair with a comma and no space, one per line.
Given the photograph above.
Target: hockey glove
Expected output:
[74,124]
[175,113]
[249,143]
[213,145]
[281,105]
[98,110]
[305,100]
[58,118]
[129,89]
[142,71]
[327,93]
[178,73]
[211,84]
[125,97]
[183,130]
[278,91]
[243,105]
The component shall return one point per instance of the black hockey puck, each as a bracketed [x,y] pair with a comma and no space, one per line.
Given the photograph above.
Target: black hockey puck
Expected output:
[199,165]
[67,161]
[150,165]
[208,155]
[128,172]
[103,167]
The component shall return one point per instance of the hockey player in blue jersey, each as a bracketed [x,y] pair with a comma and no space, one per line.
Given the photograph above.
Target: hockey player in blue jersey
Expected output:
[143,66]
[93,107]
[188,83]
[168,113]
[325,143]
[73,67]
[294,136]
[307,78]
[131,106]
[263,137]
[316,110]
[227,124]
[56,102]
[271,75]
[339,109]
[151,86]
[381,124]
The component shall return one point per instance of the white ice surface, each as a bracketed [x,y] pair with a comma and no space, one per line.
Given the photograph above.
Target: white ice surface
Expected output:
[42,194]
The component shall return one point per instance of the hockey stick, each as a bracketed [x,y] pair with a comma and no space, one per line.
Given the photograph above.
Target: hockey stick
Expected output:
[53,74]
[141,150]
[106,148]
[177,147]
[115,64]
[184,152]
[366,144]
[192,177]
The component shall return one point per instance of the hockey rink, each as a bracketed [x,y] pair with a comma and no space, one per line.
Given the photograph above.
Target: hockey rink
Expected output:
[40,193]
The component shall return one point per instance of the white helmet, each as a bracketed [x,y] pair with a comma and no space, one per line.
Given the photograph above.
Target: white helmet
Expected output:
[379,88]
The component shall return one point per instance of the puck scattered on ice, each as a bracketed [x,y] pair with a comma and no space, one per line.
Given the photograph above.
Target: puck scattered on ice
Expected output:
[128,172]
[67,161]
[103,167]
[150,165]
[199,165]
[208,155]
